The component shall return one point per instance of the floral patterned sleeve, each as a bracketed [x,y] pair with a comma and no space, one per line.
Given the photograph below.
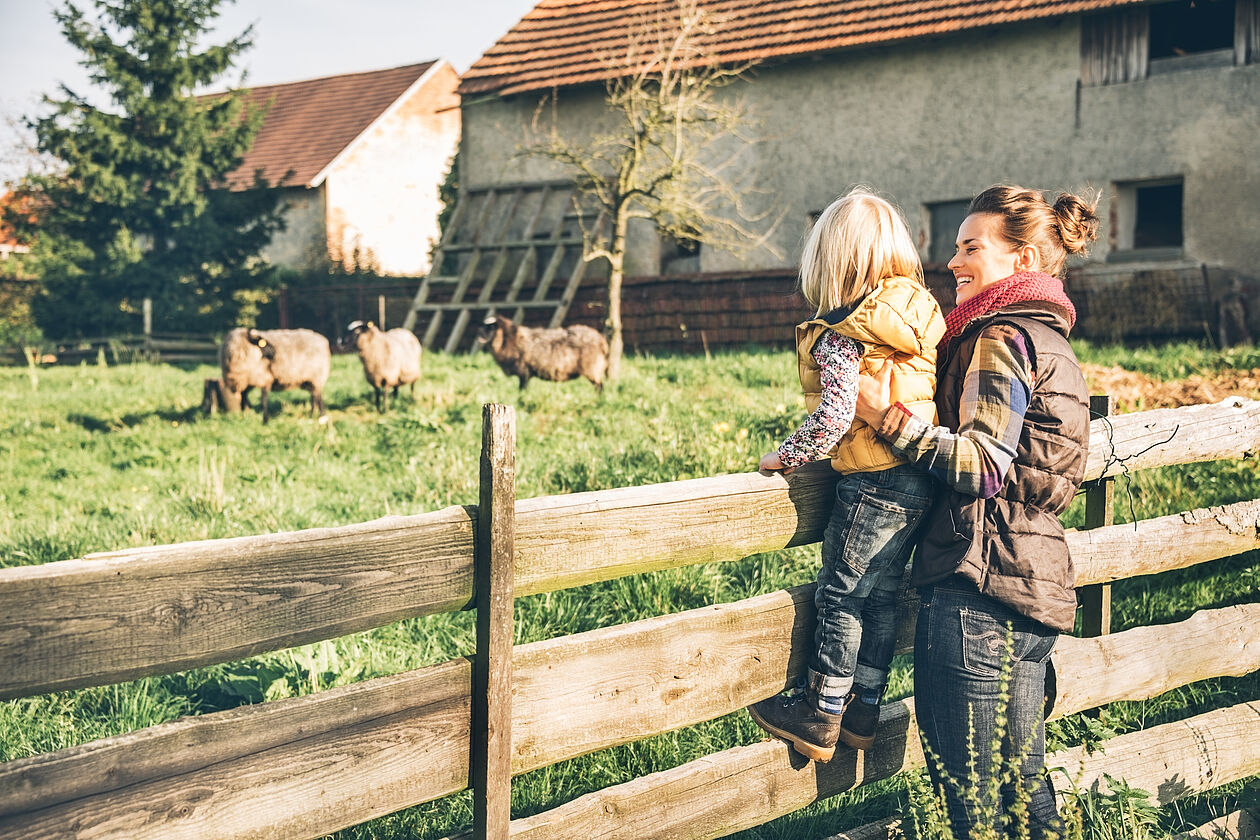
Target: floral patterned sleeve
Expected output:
[837,357]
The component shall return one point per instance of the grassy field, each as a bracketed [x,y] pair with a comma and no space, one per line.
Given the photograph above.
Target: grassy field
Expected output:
[106,457]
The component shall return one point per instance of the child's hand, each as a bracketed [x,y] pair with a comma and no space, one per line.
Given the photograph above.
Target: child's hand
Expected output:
[770,463]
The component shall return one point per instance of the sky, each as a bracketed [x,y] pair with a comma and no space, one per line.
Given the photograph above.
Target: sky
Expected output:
[293,40]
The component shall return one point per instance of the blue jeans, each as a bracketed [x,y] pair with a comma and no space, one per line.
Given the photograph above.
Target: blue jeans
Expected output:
[961,644]
[864,552]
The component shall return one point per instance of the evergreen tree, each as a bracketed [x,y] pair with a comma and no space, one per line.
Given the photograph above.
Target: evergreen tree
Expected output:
[137,207]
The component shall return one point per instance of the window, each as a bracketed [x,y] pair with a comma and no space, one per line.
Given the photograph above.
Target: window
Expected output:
[943,221]
[1187,27]
[1129,44]
[679,255]
[1148,218]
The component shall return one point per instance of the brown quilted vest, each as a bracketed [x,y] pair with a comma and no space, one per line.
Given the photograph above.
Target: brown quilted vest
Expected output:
[1011,547]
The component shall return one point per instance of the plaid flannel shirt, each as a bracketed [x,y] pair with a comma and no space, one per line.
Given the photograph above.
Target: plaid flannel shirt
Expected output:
[996,390]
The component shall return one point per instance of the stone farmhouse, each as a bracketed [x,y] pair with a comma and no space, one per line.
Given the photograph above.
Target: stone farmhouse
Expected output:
[1155,104]
[359,159]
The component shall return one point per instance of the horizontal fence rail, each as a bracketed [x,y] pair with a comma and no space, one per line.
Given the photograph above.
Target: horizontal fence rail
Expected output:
[308,766]
[160,609]
[397,741]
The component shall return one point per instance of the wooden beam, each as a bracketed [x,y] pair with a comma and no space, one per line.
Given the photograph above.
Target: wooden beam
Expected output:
[1174,760]
[1239,825]
[572,695]
[465,276]
[1165,543]
[575,278]
[491,761]
[1167,436]
[1095,599]
[125,614]
[439,255]
[322,764]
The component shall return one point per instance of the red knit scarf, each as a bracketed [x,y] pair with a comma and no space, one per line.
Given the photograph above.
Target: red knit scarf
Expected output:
[1021,287]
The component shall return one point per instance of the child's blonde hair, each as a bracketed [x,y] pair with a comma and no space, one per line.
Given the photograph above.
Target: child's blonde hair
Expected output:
[857,241]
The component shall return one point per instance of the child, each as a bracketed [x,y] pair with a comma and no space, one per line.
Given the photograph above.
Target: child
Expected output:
[861,273]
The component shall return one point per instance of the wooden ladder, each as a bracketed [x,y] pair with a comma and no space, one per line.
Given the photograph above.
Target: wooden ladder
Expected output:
[490,228]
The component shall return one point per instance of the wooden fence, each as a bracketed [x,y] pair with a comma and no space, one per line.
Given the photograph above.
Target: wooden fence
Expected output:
[307,766]
[119,349]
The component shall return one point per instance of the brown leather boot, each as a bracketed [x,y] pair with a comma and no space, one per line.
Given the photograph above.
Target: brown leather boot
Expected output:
[797,720]
[861,717]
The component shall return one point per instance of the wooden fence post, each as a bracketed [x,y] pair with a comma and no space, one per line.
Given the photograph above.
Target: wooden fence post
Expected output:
[490,758]
[1096,599]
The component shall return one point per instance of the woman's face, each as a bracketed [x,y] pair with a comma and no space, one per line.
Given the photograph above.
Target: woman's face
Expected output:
[983,256]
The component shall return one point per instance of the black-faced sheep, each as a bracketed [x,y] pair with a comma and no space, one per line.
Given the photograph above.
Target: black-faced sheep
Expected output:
[556,354]
[275,360]
[390,359]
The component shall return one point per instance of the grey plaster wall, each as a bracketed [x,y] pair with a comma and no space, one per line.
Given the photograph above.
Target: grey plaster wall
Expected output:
[301,244]
[939,120]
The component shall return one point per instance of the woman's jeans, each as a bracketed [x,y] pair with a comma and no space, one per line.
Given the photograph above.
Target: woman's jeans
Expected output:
[864,552]
[962,642]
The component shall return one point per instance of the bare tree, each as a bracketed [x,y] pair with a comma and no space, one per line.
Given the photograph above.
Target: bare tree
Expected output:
[677,153]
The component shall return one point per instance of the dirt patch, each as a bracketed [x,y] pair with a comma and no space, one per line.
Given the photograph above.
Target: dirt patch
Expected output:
[1137,392]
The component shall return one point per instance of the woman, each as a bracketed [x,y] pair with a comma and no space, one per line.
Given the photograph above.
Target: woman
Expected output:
[995,578]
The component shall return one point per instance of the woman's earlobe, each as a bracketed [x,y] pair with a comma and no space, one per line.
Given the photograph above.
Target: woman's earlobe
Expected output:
[1029,258]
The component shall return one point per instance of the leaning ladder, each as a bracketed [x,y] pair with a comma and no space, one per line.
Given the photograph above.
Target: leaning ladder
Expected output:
[491,229]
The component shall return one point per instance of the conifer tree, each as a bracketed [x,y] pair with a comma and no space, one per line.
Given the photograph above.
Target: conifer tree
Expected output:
[135,206]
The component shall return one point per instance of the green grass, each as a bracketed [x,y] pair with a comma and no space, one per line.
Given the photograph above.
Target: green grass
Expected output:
[103,458]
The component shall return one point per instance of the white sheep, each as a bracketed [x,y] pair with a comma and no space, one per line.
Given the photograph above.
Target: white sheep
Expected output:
[274,360]
[390,358]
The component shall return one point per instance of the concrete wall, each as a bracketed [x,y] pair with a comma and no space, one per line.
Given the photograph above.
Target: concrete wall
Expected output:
[301,245]
[383,195]
[941,119]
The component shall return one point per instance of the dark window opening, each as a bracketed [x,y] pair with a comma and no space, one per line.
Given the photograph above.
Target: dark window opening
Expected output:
[1187,27]
[680,255]
[944,220]
[1157,216]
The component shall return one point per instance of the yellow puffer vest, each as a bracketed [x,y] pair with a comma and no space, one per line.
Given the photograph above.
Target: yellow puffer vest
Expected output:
[898,318]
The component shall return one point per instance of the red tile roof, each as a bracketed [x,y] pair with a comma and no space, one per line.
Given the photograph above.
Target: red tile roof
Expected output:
[570,42]
[313,121]
[19,205]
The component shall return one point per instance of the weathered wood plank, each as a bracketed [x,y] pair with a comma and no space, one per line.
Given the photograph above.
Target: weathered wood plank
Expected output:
[1168,436]
[491,762]
[1095,599]
[564,541]
[573,695]
[124,614]
[1164,543]
[741,788]
[1177,759]
[295,768]
[111,617]
[1239,825]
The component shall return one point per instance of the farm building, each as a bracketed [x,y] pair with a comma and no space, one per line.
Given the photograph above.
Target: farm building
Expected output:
[1155,104]
[359,159]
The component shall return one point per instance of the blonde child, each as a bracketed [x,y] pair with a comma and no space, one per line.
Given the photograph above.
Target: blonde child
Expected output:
[861,273]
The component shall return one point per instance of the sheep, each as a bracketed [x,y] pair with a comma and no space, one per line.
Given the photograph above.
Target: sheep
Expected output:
[555,354]
[390,359]
[274,359]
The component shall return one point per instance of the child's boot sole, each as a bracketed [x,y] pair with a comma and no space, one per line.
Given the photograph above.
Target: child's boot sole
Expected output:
[811,751]
[858,742]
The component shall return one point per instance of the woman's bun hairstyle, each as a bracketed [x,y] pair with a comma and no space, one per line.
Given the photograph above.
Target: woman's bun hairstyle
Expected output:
[1028,219]
[1078,225]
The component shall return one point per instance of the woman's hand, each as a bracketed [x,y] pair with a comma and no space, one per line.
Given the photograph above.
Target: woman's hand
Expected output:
[874,395]
[770,463]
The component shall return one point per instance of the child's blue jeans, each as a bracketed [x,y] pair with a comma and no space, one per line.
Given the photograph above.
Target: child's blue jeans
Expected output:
[864,553]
